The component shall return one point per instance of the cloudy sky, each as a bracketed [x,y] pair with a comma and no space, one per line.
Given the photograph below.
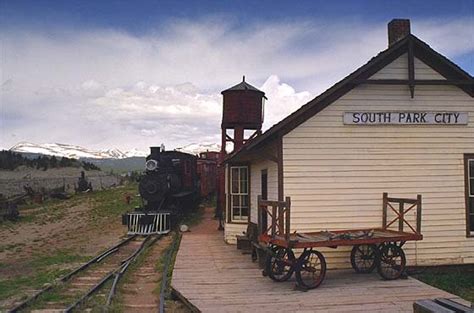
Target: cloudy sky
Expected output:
[131,74]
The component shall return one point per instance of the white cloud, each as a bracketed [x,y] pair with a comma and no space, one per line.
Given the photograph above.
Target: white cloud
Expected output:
[104,88]
[283,100]
[450,37]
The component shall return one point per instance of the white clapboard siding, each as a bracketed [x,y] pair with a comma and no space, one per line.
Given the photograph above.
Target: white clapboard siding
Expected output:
[255,184]
[398,70]
[423,71]
[395,70]
[335,174]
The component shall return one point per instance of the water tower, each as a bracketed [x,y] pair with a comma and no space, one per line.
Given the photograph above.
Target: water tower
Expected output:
[242,120]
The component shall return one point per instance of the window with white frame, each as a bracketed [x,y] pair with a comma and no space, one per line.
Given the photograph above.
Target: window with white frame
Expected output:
[470,194]
[239,193]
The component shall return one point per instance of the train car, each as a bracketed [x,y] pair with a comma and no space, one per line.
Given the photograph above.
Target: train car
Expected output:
[207,171]
[169,189]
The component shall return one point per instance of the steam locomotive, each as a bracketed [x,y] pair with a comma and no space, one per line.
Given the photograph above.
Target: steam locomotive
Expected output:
[169,189]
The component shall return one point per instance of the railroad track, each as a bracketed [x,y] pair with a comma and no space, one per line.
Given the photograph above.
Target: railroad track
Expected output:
[77,287]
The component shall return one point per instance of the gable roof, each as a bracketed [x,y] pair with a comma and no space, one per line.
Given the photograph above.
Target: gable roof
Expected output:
[243,85]
[421,50]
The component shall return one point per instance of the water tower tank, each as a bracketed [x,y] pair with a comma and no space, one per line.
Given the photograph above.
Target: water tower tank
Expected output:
[243,107]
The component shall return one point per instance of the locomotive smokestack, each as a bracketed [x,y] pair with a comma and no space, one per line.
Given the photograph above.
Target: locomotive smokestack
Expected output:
[155,150]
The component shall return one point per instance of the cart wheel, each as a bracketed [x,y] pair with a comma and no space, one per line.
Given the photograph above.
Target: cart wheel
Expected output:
[311,269]
[280,266]
[364,258]
[392,262]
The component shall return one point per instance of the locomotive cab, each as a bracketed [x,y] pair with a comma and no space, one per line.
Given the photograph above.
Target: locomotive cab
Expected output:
[169,188]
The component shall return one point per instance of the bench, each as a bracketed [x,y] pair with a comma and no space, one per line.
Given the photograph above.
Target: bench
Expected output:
[440,305]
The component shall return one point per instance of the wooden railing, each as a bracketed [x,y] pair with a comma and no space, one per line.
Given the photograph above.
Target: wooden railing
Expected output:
[279,213]
[401,212]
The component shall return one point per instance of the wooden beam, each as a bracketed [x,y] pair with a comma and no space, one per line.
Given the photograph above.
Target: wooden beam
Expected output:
[411,69]
[280,167]
[415,82]
[177,295]
[418,214]
[255,134]
[229,138]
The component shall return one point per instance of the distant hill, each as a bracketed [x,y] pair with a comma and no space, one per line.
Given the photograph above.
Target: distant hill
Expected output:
[73,151]
[10,160]
[119,165]
[116,165]
[107,160]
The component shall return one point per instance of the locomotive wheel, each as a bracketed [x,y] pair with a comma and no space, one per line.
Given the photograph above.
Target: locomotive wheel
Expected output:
[311,269]
[392,262]
[280,266]
[364,258]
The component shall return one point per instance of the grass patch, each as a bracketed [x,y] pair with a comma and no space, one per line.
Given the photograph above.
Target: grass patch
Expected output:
[11,246]
[457,280]
[50,209]
[53,295]
[107,202]
[111,202]
[41,273]
[60,257]
[15,286]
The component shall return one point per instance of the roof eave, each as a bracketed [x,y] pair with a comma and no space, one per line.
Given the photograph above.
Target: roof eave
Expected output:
[346,84]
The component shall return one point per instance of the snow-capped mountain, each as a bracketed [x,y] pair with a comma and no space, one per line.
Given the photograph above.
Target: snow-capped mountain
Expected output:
[196,148]
[73,151]
[77,152]
[135,153]
[113,153]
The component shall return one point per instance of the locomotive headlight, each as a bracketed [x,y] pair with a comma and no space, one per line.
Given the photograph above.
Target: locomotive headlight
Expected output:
[151,165]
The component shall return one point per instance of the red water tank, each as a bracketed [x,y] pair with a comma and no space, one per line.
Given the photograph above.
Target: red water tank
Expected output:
[243,107]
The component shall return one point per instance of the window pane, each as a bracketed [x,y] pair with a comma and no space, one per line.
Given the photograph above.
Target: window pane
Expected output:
[244,201]
[235,186]
[471,222]
[243,186]
[245,213]
[243,173]
[235,201]
[235,172]
[236,213]
[471,187]
[471,168]
[235,180]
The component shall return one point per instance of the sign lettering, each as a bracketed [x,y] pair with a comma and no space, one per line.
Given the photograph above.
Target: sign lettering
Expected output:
[406,118]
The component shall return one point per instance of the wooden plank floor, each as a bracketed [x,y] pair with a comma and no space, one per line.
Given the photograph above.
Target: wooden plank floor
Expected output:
[216,277]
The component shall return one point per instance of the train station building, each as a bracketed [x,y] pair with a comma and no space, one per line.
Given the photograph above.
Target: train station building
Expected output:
[401,124]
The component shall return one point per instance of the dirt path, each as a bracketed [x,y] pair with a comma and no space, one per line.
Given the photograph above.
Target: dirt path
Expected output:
[140,291]
[208,225]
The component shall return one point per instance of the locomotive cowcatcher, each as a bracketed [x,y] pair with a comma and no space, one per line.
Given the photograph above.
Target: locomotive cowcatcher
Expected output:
[169,189]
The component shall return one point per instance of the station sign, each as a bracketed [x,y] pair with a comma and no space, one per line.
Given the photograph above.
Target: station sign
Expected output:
[405,118]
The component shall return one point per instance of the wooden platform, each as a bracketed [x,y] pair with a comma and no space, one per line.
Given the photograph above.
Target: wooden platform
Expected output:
[216,277]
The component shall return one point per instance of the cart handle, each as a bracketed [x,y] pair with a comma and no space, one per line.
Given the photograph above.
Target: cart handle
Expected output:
[401,212]
[279,212]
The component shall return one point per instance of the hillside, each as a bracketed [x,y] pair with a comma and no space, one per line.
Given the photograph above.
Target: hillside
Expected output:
[10,160]
[107,159]
[13,181]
